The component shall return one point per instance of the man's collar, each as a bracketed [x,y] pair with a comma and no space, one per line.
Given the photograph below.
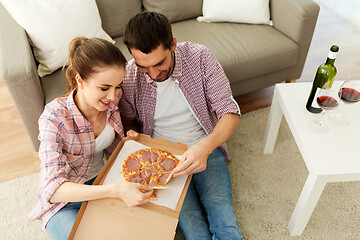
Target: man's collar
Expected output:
[177,68]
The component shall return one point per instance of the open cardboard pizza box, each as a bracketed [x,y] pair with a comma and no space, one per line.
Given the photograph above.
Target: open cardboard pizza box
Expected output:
[111,218]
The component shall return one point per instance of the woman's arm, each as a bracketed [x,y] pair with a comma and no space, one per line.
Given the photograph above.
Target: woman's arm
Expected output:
[131,193]
[59,187]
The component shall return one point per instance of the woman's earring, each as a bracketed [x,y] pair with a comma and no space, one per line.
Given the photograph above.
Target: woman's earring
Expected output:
[78,78]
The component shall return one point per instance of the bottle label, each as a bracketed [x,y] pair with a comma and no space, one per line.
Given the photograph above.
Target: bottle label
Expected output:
[332,55]
[314,103]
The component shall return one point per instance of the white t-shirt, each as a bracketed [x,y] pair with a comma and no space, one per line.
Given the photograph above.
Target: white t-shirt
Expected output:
[102,141]
[173,119]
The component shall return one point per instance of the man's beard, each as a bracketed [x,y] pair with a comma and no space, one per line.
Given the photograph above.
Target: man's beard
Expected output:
[169,71]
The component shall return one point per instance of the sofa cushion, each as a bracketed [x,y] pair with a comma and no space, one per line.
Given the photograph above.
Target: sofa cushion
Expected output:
[240,11]
[175,10]
[244,51]
[124,50]
[54,85]
[116,13]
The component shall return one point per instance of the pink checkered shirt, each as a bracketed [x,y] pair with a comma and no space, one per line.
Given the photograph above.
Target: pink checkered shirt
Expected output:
[67,149]
[201,79]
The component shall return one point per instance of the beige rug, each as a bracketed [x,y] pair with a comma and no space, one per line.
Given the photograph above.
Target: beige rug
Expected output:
[265,191]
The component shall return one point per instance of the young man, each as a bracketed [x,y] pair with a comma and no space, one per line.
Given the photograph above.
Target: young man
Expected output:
[178,91]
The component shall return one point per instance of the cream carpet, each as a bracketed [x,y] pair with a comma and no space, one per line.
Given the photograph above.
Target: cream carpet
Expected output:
[265,191]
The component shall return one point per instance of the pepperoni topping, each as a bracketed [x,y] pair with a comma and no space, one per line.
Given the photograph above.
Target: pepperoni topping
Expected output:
[149,156]
[154,157]
[133,165]
[168,164]
[135,178]
[164,177]
[145,174]
[146,156]
[152,168]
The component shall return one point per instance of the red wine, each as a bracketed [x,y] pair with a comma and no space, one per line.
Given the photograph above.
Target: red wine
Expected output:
[350,95]
[327,102]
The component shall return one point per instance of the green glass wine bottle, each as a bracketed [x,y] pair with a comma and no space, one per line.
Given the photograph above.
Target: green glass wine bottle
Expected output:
[325,74]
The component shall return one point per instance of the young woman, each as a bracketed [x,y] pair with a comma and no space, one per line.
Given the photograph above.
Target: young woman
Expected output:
[77,132]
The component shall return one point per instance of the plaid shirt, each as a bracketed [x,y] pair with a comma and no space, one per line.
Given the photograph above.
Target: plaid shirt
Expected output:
[201,79]
[67,149]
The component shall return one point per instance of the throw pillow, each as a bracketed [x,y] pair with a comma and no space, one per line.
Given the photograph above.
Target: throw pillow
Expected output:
[52,24]
[241,11]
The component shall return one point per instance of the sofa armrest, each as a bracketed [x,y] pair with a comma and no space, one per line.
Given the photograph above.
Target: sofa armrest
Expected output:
[297,20]
[18,71]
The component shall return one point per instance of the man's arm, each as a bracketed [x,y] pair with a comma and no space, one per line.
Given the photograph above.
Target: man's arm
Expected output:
[195,158]
[219,97]
[131,129]
[127,112]
[127,102]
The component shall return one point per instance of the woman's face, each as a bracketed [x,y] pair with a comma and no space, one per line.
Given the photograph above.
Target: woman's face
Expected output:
[102,88]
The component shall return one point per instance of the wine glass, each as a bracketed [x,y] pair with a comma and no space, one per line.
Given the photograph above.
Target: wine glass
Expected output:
[350,90]
[328,99]
[349,93]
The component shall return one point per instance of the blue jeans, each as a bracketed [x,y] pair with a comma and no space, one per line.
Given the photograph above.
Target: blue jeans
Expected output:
[59,226]
[207,212]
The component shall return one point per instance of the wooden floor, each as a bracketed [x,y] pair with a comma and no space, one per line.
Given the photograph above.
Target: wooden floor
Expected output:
[338,23]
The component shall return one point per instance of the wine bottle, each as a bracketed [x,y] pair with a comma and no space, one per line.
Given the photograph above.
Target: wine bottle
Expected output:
[325,74]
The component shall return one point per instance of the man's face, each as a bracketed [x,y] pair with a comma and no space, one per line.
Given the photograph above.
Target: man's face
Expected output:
[158,64]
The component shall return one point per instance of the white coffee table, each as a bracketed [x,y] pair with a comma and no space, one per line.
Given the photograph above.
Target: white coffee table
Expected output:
[331,157]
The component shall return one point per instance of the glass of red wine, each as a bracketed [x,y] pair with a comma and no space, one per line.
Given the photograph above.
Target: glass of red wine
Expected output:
[350,90]
[327,98]
[349,93]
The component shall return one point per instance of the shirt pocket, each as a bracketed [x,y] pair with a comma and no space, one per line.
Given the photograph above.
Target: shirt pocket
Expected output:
[74,165]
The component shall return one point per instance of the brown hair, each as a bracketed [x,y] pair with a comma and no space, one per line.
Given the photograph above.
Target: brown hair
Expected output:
[146,31]
[87,55]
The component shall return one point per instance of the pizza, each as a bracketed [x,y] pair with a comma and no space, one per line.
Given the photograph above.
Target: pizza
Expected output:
[152,167]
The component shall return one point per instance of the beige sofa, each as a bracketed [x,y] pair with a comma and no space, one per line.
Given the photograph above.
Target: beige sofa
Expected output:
[253,56]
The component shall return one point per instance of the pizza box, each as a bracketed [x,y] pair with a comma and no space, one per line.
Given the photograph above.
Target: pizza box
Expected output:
[111,218]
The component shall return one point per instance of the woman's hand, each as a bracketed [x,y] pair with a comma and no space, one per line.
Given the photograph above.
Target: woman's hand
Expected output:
[132,194]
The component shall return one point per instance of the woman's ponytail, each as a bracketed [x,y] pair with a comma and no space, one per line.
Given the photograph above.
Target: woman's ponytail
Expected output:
[87,55]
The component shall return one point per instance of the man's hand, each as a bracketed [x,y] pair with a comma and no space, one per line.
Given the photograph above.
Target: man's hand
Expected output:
[194,160]
[132,133]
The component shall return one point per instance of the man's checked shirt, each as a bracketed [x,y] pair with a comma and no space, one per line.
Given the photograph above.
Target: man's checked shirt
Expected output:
[201,80]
